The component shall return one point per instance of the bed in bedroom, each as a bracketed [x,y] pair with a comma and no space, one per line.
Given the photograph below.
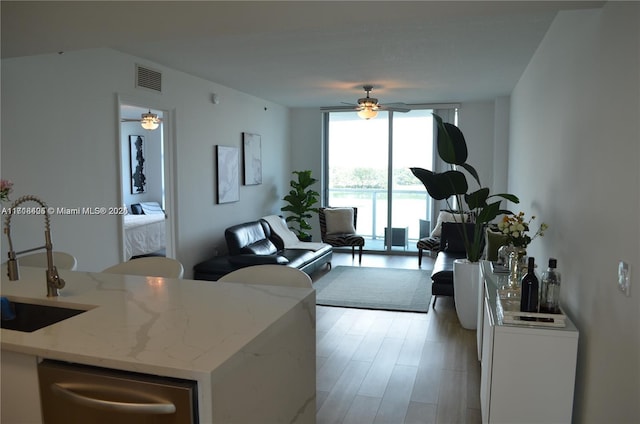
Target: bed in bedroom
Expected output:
[144,233]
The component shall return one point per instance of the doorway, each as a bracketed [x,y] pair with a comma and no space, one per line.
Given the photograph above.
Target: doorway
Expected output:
[146,182]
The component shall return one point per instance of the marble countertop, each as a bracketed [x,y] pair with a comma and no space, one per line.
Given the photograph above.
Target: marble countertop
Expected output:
[171,327]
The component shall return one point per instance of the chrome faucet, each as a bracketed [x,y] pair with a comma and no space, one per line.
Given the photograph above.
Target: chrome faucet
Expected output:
[54,282]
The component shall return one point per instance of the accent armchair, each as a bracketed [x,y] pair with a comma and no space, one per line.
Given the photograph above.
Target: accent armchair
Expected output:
[338,228]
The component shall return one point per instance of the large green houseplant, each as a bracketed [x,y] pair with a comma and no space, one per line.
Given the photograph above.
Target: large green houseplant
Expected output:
[301,200]
[481,206]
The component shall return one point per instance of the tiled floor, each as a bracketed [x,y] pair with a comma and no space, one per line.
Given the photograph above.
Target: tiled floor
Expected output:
[395,367]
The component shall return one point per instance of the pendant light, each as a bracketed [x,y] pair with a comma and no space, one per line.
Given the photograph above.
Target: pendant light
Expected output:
[149,121]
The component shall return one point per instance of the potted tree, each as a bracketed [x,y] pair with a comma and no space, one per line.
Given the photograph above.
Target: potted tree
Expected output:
[301,200]
[479,205]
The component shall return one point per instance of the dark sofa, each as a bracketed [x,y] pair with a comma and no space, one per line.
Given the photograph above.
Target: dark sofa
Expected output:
[451,248]
[254,243]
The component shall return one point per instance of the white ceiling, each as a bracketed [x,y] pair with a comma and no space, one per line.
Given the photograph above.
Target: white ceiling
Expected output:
[306,53]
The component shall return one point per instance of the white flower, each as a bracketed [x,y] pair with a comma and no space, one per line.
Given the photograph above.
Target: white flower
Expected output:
[520,227]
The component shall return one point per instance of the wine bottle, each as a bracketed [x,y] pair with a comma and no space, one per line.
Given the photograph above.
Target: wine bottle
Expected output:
[529,289]
[550,289]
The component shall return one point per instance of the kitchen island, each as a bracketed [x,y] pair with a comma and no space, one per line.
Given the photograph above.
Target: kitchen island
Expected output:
[250,348]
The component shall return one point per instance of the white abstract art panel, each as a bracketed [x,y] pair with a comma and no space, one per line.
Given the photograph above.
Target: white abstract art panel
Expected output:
[228,174]
[252,145]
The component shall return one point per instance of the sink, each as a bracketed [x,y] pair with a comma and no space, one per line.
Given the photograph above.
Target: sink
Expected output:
[31,317]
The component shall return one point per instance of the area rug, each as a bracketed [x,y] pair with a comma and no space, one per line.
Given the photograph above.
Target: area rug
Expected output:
[375,288]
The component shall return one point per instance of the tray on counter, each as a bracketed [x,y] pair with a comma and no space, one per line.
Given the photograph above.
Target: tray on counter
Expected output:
[508,308]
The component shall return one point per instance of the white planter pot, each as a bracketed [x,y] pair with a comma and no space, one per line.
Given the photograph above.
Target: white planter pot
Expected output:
[466,283]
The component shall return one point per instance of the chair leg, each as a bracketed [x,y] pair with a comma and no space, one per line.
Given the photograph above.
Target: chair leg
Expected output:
[360,255]
[419,257]
[353,252]
[434,302]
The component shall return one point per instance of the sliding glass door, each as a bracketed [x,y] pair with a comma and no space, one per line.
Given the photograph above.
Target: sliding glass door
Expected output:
[367,164]
[411,146]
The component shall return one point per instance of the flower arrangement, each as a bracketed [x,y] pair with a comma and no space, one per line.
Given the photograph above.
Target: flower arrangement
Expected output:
[6,187]
[515,228]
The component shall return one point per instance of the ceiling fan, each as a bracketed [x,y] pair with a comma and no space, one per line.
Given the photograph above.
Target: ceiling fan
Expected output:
[368,106]
[148,121]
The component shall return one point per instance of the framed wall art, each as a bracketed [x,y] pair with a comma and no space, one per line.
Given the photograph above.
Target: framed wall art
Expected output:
[227,163]
[136,164]
[252,152]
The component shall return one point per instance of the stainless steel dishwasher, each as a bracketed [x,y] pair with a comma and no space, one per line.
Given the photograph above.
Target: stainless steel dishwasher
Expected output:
[72,393]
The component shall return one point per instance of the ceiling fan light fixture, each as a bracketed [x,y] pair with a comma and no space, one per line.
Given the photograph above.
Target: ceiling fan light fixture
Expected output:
[149,121]
[368,105]
[367,113]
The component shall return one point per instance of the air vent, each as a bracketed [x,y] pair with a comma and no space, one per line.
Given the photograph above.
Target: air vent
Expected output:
[148,78]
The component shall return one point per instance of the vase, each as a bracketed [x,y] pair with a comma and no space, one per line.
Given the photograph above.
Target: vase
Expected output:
[517,265]
[466,284]
[503,254]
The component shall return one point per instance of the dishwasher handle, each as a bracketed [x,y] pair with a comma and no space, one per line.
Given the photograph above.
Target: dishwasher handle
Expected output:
[154,407]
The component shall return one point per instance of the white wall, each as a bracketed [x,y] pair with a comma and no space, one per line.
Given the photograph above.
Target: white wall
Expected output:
[501,144]
[573,159]
[306,150]
[59,141]
[475,120]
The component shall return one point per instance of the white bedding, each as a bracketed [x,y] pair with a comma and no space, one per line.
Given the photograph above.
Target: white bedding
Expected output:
[144,234]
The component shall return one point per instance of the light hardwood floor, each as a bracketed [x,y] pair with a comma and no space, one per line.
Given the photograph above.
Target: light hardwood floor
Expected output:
[395,367]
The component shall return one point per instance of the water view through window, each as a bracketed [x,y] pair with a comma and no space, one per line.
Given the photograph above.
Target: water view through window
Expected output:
[368,163]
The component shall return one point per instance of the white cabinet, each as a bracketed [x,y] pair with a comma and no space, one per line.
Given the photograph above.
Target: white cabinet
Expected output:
[20,398]
[528,372]
[487,362]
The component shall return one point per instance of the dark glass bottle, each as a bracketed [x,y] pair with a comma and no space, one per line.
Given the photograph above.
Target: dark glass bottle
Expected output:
[529,289]
[550,289]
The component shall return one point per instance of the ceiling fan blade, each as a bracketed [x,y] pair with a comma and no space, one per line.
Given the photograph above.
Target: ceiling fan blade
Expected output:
[370,103]
[354,107]
[396,107]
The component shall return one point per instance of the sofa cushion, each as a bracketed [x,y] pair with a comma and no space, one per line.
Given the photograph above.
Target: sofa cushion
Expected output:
[455,244]
[339,220]
[298,258]
[260,247]
[446,216]
[494,241]
[443,267]
[452,238]
[241,235]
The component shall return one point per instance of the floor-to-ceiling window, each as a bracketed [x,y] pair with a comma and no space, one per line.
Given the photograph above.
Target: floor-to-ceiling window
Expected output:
[367,163]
